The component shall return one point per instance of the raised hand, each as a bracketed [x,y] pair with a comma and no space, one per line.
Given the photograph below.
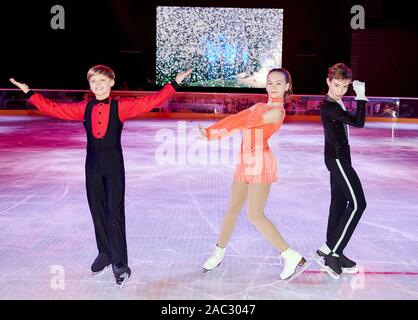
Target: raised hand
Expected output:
[181,76]
[360,89]
[22,86]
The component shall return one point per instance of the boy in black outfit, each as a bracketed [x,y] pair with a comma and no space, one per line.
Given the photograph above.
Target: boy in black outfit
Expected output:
[347,198]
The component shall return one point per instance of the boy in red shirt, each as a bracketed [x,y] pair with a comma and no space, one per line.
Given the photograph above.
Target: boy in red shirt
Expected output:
[103,119]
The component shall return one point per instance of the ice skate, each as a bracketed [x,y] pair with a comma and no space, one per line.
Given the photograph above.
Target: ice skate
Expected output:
[347,266]
[122,273]
[100,264]
[325,263]
[293,260]
[301,269]
[214,260]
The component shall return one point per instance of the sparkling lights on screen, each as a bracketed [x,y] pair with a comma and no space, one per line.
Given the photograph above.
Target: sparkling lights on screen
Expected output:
[226,47]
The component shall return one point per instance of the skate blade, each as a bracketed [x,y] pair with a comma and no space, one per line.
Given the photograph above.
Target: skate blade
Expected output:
[95,274]
[125,277]
[325,268]
[353,270]
[345,270]
[208,270]
[303,265]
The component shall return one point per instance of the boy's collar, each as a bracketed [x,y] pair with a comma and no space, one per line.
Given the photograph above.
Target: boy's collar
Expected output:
[105,101]
[329,98]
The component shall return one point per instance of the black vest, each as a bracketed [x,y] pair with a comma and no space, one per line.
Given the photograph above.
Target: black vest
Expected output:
[112,137]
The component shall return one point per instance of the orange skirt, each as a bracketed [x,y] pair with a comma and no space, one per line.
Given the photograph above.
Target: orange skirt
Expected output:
[259,166]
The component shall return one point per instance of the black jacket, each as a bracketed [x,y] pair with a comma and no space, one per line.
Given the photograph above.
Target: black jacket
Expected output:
[334,119]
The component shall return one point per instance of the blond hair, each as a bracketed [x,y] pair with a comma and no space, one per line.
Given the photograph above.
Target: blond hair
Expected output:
[101,69]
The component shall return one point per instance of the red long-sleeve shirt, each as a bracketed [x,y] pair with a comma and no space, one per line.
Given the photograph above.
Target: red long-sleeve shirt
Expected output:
[127,108]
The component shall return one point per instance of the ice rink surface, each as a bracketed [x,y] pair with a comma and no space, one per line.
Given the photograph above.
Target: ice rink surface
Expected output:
[174,211]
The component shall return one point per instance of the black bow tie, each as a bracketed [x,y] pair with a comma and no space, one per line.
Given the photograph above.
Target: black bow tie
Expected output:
[105,101]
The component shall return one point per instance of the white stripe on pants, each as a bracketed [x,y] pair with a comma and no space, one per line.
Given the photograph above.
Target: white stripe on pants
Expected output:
[354,202]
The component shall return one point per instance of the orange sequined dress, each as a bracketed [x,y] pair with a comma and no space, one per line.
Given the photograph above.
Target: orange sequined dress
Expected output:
[256,162]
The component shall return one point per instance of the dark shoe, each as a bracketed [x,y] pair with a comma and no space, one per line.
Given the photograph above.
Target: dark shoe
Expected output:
[345,262]
[331,261]
[122,272]
[100,263]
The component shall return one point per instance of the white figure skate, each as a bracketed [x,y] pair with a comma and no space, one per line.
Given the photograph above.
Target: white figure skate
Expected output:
[293,260]
[214,260]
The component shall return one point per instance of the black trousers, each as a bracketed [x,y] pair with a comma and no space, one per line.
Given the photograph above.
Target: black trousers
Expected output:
[347,203]
[105,184]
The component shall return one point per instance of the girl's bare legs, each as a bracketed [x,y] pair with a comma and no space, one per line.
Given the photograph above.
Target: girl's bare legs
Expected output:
[257,197]
[238,197]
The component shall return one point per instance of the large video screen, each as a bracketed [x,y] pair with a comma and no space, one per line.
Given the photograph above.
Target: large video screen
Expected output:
[226,47]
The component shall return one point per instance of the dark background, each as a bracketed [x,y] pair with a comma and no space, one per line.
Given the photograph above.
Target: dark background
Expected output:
[121,34]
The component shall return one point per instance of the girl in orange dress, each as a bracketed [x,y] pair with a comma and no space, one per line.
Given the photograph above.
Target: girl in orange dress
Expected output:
[256,171]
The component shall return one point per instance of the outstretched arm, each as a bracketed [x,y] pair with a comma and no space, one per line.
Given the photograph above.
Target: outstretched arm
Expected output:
[130,108]
[245,119]
[66,111]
